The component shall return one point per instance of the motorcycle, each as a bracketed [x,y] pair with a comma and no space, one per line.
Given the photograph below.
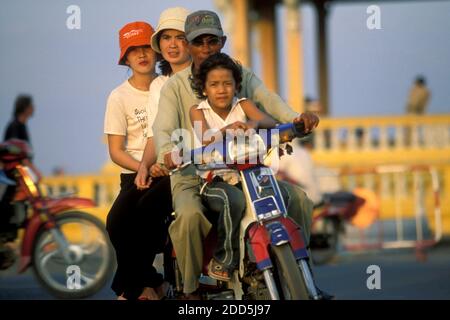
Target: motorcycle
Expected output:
[334,211]
[273,254]
[68,249]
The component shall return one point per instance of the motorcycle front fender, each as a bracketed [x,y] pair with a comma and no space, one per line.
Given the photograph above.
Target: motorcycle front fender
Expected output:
[258,241]
[260,237]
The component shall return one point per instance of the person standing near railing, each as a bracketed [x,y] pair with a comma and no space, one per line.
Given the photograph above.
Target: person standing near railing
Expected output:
[417,103]
[419,97]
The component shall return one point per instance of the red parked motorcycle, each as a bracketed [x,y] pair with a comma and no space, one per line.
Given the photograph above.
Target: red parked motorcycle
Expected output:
[333,212]
[68,249]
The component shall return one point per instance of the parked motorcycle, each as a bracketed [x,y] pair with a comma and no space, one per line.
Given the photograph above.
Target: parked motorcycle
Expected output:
[67,248]
[334,211]
[273,256]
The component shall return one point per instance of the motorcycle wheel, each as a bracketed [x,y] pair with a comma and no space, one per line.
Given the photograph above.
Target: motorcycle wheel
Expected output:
[289,275]
[324,241]
[89,248]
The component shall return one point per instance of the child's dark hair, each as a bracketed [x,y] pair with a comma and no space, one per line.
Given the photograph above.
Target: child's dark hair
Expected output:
[22,103]
[216,61]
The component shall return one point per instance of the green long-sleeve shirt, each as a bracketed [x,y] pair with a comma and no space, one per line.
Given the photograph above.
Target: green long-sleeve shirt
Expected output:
[177,97]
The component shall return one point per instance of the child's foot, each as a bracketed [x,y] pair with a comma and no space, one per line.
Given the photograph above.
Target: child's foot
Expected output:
[217,271]
[121,297]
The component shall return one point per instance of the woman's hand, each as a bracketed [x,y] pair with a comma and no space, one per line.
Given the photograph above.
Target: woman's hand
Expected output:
[158,171]
[142,180]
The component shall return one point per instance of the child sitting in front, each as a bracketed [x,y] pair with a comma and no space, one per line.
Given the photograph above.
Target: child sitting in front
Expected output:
[217,82]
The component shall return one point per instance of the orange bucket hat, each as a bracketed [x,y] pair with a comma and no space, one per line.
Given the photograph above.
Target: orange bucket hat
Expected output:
[134,34]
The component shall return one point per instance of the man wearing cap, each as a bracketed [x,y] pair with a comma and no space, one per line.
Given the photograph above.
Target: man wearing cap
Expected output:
[205,37]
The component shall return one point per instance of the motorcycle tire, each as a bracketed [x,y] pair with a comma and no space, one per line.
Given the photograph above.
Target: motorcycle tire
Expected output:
[291,282]
[54,279]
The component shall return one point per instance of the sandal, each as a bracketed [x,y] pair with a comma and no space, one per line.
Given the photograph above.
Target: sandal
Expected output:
[217,271]
[122,297]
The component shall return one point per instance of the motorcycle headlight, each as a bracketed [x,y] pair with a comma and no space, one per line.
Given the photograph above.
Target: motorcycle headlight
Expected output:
[246,149]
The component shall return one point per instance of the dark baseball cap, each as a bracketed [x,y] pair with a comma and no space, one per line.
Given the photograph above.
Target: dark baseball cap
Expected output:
[202,22]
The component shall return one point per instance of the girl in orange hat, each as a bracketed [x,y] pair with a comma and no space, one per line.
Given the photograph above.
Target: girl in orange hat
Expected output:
[136,221]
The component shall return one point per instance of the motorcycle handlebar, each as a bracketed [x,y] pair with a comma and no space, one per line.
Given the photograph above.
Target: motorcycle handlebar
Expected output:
[286,132]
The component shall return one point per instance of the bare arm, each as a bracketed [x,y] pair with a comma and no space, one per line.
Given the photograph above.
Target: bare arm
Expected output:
[258,119]
[201,127]
[116,146]
[254,89]
[149,157]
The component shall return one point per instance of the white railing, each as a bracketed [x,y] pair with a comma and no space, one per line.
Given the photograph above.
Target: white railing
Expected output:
[383,133]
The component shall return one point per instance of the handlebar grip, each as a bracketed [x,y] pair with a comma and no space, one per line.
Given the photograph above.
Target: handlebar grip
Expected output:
[300,128]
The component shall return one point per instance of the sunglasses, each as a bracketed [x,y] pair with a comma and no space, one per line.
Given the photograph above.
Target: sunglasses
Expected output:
[210,42]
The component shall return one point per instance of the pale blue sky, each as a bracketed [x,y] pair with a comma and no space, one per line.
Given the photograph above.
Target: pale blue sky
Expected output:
[71,72]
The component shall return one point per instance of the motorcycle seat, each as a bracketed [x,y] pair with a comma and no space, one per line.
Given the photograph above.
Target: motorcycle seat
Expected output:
[339,197]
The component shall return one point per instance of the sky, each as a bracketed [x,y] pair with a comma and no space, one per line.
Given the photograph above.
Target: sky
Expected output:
[70,73]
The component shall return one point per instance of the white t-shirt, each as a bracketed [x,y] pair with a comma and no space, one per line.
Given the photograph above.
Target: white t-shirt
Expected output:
[126,115]
[153,100]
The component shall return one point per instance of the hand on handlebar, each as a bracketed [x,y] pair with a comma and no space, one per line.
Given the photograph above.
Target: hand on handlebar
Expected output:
[173,159]
[158,170]
[309,119]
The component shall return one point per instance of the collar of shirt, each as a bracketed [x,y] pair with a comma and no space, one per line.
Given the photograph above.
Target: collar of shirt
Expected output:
[205,104]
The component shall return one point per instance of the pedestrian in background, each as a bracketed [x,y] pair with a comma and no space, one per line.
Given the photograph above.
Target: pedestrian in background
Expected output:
[419,97]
